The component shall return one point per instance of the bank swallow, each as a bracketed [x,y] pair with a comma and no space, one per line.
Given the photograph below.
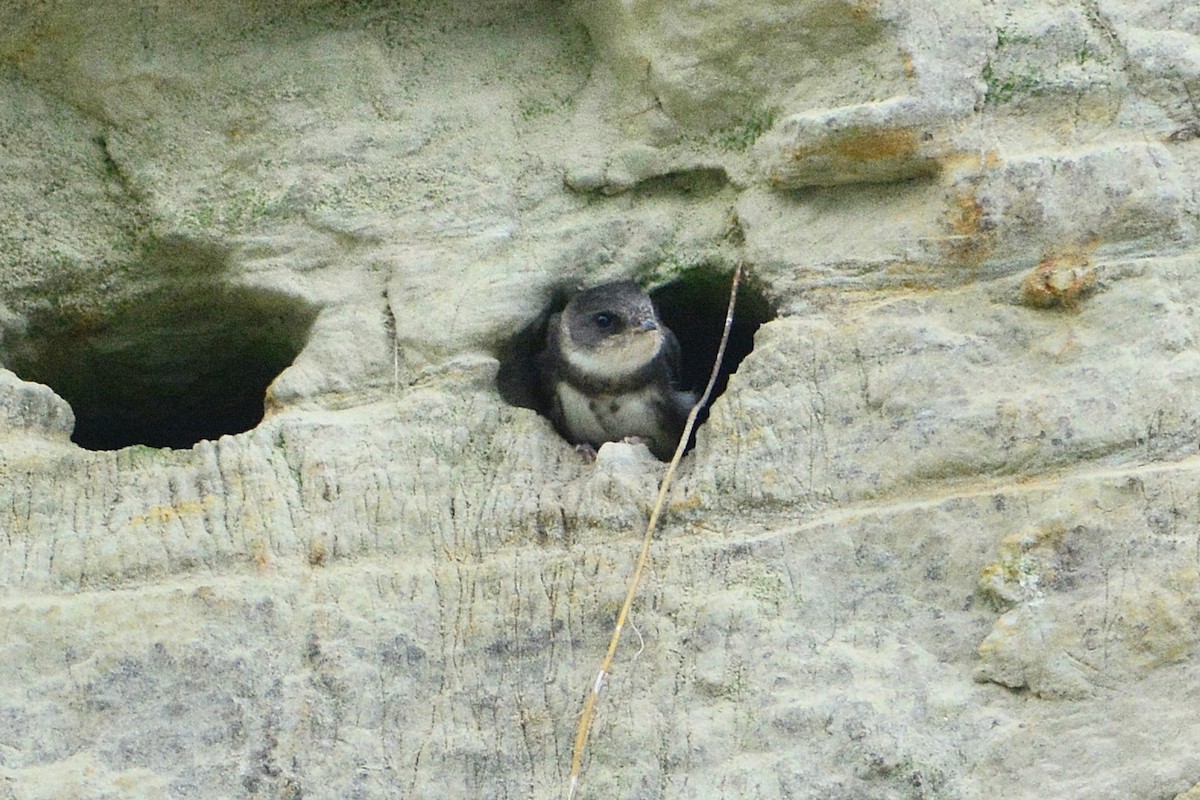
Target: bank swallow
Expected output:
[611,369]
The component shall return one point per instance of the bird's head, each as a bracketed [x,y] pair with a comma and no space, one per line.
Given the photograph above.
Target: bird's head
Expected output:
[610,330]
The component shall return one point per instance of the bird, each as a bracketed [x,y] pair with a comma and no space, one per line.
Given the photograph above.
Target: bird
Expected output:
[610,371]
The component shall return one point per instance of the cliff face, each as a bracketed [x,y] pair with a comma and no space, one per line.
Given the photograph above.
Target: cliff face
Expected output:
[939,538]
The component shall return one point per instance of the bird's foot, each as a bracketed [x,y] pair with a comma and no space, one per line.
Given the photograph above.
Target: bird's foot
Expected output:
[587,451]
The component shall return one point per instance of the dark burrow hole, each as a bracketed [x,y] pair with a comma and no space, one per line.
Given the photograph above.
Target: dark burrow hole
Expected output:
[183,363]
[693,307]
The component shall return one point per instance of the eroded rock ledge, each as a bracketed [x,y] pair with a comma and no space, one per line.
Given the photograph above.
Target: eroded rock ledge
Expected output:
[938,537]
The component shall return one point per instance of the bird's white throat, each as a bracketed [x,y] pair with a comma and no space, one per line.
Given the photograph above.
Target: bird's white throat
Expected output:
[615,357]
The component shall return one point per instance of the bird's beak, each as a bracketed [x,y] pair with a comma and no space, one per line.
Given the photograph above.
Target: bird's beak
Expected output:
[649,325]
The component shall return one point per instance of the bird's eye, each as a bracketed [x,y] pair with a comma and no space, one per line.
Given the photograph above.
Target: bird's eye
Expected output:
[603,320]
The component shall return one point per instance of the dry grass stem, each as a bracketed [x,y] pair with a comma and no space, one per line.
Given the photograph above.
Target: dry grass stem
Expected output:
[589,706]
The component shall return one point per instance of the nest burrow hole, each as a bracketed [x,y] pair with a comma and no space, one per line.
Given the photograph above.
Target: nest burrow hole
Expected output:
[187,360]
[693,306]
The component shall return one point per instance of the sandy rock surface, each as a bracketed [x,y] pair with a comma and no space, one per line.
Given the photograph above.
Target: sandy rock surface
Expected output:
[939,537]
